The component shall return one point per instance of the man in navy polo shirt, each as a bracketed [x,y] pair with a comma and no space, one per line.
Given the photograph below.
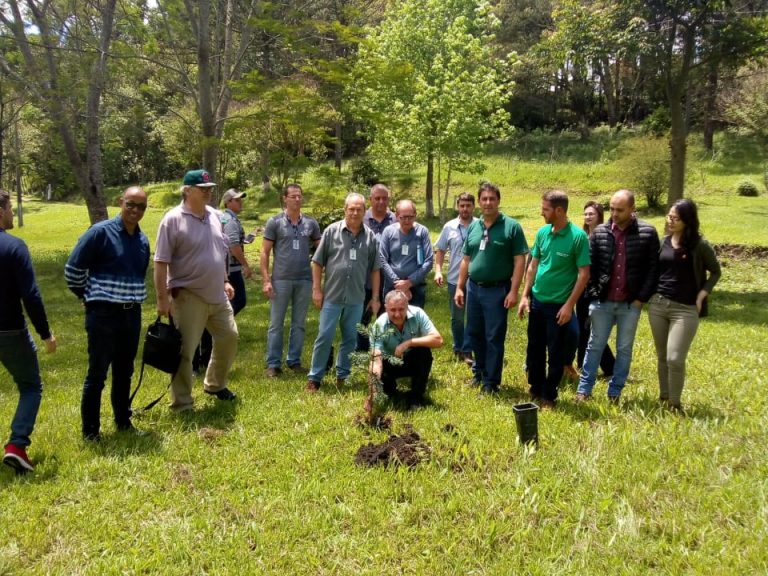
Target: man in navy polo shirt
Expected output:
[17,348]
[106,270]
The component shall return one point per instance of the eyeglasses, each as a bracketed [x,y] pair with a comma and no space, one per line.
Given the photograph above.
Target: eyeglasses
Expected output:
[131,205]
[406,217]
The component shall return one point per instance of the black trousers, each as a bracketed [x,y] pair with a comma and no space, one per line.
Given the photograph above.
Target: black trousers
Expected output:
[417,364]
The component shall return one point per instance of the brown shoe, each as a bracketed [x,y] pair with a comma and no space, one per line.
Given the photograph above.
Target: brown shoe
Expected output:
[546,405]
[298,369]
[274,372]
[469,359]
[312,386]
[582,397]
[570,373]
[341,381]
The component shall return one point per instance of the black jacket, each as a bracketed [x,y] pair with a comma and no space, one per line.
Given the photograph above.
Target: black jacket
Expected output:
[642,261]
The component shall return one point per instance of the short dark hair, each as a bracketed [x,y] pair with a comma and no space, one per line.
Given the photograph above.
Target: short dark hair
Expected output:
[465,197]
[5,199]
[488,187]
[292,186]
[557,198]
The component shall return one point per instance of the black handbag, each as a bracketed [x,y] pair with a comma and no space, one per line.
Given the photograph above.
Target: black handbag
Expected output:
[162,350]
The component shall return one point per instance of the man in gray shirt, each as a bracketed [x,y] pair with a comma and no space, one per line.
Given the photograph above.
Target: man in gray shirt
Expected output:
[406,255]
[349,253]
[291,235]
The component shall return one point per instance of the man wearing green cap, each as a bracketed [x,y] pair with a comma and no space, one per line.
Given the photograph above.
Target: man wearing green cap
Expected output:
[191,283]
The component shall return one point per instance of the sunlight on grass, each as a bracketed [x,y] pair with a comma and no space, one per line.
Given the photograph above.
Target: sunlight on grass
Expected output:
[269,485]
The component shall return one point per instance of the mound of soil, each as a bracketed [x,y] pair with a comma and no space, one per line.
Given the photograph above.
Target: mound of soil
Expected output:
[741,251]
[407,449]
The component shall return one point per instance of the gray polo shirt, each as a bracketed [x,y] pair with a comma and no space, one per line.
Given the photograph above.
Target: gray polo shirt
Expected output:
[196,252]
[452,240]
[235,234]
[348,260]
[292,246]
[406,256]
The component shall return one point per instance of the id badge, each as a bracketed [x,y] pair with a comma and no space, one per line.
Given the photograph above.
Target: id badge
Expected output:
[353,254]
[482,245]
[404,250]
[295,243]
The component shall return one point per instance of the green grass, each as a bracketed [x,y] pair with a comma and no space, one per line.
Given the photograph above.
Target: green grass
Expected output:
[269,485]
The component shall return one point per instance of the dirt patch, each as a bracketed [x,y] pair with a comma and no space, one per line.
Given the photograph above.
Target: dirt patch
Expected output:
[210,435]
[741,251]
[407,450]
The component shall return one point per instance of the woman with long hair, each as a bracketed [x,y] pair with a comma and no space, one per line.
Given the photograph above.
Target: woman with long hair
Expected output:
[688,271]
[593,215]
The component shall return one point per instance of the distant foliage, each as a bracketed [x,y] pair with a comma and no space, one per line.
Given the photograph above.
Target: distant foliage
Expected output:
[657,122]
[644,162]
[363,172]
[747,188]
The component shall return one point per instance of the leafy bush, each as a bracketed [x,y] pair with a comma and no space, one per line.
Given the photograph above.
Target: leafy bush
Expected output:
[644,162]
[747,188]
[363,172]
[658,122]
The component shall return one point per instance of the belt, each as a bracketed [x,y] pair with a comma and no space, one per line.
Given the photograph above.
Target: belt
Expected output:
[490,284]
[111,305]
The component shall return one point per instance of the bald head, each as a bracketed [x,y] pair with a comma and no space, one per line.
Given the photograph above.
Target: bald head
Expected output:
[622,208]
[133,204]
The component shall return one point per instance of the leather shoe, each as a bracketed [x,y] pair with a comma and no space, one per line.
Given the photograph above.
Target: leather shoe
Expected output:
[223,394]
[273,372]
[298,369]
[312,386]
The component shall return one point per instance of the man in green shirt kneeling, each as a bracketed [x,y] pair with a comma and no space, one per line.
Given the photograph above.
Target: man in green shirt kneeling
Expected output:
[405,332]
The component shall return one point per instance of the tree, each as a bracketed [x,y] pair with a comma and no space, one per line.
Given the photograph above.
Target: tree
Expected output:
[63,48]
[672,35]
[428,88]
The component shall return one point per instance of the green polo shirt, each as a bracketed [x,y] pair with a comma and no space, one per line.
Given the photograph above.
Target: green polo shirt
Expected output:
[496,262]
[417,324]
[560,256]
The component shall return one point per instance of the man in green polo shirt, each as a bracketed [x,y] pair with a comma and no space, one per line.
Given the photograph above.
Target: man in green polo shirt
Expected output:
[556,277]
[491,272]
[405,332]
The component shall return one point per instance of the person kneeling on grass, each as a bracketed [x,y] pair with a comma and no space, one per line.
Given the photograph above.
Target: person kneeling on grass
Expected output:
[405,332]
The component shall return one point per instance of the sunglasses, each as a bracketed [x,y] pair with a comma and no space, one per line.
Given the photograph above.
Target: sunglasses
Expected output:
[130,205]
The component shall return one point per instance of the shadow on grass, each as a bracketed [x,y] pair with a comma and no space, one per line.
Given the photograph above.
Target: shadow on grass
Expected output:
[209,413]
[739,307]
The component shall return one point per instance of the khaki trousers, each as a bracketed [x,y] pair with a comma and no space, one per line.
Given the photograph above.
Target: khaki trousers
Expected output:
[191,315]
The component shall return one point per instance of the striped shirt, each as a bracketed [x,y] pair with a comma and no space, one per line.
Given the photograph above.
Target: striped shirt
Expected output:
[108,264]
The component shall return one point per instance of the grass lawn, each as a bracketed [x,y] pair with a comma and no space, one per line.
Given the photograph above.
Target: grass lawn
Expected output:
[269,484]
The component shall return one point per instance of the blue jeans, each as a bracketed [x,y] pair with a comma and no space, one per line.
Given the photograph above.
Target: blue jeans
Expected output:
[347,316]
[460,342]
[487,330]
[298,294]
[548,345]
[602,316]
[19,356]
[113,339]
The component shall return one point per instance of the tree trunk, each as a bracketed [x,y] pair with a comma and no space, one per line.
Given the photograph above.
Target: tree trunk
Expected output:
[95,188]
[710,106]
[608,90]
[430,207]
[337,149]
[677,149]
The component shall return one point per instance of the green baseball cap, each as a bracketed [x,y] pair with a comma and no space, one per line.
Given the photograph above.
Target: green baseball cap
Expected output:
[199,178]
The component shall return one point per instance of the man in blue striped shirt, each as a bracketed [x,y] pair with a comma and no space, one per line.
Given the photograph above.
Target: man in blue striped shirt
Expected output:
[107,271]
